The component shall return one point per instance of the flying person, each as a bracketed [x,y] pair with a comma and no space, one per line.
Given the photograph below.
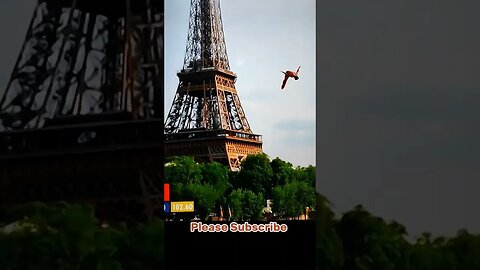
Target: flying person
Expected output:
[290,74]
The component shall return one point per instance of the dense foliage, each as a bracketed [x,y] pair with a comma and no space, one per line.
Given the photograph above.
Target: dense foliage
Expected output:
[63,236]
[213,187]
[68,236]
[360,241]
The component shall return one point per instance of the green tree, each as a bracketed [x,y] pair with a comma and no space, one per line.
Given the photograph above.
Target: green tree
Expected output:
[203,183]
[283,200]
[431,253]
[329,247]
[55,236]
[205,197]
[68,236]
[371,243]
[246,205]
[217,175]
[306,174]
[282,172]
[256,175]
[465,248]
[183,170]
[108,249]
[292,199]
[147,245]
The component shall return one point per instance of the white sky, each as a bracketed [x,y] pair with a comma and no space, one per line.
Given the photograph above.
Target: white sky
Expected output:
[263,38]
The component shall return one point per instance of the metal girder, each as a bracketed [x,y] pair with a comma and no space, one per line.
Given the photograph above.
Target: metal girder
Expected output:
[81,119]
[76,62]
[228,151]
[196,106]
[129,175]
[206,119]
[206,41]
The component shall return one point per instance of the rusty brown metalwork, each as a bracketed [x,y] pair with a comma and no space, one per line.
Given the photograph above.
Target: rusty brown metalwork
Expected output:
[81,118]
[83,57]
[206,119]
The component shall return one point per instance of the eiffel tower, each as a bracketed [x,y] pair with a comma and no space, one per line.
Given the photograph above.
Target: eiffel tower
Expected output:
[206,119]
[81,118]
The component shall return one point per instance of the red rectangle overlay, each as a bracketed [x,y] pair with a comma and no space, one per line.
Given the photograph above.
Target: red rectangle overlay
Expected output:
[166,192]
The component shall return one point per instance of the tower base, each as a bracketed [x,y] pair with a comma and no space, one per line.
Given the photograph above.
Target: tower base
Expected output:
[114,166]
[226,147]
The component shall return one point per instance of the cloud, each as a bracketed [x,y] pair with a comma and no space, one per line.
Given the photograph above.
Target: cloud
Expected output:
[240,62]
[296,132]
[294,124]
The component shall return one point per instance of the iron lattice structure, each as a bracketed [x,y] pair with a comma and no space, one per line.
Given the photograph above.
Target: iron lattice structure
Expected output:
[82,57]
[82,115]
[206,119]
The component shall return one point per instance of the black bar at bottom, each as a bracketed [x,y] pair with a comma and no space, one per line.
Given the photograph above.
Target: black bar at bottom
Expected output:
[293,249]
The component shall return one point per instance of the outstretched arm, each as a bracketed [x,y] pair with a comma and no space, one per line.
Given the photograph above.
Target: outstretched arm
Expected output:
[284,81]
